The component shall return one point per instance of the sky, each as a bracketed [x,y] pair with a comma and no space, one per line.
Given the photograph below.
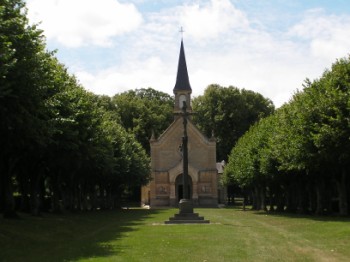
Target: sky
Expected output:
[268,46]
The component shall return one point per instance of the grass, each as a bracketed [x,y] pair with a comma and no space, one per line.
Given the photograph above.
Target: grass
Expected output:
[140,235]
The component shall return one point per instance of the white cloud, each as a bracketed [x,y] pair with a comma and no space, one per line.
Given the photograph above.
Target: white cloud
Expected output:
[211,19]
[328,36]
[152,72]
[74,23]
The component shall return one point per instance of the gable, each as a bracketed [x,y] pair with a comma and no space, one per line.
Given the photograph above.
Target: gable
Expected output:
[166,150]
[177,127]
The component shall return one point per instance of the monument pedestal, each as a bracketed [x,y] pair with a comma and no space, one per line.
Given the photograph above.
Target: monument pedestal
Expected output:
[186,215]
[185,206]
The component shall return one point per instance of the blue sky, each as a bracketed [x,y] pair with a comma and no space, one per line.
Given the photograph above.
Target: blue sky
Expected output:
[269,46]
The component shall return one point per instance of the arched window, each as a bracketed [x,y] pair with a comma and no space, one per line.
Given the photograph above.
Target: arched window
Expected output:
[182,98]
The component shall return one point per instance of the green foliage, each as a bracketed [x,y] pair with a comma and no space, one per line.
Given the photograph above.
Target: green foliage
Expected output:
[143,111]
[229,112]
[303,149]
[57,141]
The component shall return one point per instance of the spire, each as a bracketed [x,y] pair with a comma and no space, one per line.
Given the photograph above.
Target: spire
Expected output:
[182,80]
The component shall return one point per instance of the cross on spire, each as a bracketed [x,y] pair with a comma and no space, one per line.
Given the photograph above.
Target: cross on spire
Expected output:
[182,32]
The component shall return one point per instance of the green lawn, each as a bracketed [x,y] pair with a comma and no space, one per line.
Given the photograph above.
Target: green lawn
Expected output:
[140,235]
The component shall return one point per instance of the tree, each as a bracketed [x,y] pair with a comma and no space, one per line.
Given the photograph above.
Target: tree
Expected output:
[245,166]
[228,112]
[143,111]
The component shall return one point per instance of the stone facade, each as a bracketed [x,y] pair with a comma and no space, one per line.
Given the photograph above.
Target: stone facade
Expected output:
[165,188]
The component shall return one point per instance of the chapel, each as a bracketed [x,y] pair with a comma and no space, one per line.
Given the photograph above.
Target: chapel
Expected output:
[166,186]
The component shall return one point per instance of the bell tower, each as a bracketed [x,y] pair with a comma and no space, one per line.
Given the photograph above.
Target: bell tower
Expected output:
[182,89]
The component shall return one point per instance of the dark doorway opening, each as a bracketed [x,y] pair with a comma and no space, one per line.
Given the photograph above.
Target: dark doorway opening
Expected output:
[180,189]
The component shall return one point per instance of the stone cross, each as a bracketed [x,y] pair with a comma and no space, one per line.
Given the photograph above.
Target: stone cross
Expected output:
[186,194]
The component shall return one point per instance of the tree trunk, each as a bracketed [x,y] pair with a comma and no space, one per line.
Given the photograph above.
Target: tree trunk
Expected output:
[280,199]
[272,195]
[262,193]
[312,200]
[328,198]
[255,195]
[93,195]
[35,195]
[302,197]
[24,191]
[67,198]
[55,198]
[9,201]
[84,197]
[319,198]
[342,193]
[291,199]
[2,202]
[75,197]
[244,199]
[7,191]
[109,198]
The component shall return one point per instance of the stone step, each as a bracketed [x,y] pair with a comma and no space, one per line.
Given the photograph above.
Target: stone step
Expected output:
[189,215]
[187,222]
[186,218]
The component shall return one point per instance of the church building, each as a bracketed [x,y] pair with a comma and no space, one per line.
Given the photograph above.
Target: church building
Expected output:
[166,186]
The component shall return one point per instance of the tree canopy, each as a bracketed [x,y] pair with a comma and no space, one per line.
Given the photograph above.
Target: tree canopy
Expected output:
[143,111]
[228,112]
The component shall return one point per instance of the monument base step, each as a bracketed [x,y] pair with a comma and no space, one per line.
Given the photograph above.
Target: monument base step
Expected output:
[187,218]
[187,222]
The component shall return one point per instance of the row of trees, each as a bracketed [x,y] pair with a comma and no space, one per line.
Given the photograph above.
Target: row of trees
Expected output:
[59,143]
[298,159]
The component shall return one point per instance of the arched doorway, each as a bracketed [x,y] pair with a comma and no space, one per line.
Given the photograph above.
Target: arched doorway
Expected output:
[179,187]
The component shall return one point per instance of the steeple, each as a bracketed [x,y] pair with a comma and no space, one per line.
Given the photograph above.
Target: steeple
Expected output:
[182,80]
[182,89]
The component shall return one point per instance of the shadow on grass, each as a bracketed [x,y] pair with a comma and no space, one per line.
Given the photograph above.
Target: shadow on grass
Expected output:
[69,237]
